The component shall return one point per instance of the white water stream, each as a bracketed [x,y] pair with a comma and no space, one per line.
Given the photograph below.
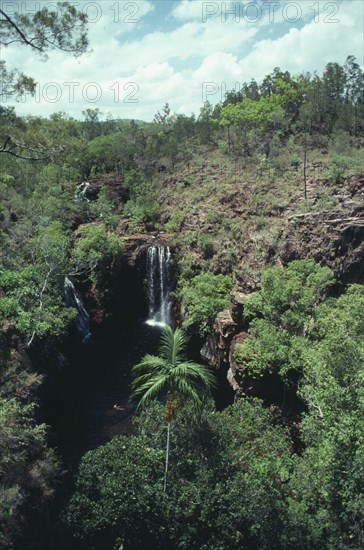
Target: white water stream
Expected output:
[159,286]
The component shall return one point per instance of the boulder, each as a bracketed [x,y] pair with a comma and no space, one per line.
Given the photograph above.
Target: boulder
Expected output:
[237,300]
[224,325]
[210,353]
[235,373]
[216,348]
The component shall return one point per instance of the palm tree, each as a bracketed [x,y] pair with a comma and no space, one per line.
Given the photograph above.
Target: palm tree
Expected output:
[172,376]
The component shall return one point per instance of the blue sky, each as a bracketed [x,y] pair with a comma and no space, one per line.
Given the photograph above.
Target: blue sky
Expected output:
[146,53]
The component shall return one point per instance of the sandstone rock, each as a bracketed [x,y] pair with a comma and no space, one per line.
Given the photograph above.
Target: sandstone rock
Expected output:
[248,280]
[234,383]
[224,324]
[216,349]
[136,245]
[234,374]
[337,242]
[237,300]
[238,339]
[211,354]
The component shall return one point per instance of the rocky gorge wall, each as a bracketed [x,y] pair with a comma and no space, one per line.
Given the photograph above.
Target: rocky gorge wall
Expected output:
[332,238]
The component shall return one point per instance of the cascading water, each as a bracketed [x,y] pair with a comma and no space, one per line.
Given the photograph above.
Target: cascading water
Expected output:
[73,299]
[159,280]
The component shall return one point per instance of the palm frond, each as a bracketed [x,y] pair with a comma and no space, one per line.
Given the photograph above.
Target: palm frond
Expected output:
[187,390]
[172,347]
[147,390]
[167,344]
[201,374]
[140,380]
[156,387]
[148,363]
[170,372]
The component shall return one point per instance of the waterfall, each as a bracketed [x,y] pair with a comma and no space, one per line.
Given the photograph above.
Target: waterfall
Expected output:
[73,299]
[81,193]
[159,285]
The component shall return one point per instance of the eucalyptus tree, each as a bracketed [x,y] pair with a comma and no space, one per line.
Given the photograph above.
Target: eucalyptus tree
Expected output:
[54,27]
[171,376]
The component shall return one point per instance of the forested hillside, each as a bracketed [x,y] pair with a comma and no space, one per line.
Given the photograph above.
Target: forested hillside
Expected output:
[260,201]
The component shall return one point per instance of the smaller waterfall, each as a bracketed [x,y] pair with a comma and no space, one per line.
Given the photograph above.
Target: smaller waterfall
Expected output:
[81,193]
[159,281]
[73,299]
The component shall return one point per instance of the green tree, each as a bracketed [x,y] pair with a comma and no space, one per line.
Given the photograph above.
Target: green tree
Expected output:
[63,28]
[142,205]
[27,472]
[53,200]
[354,93]
[172,376]
[229,477]
[14,83]
[163,118]
[205,124]
[295,326]
[113,152]
[328,480]
[91,125]
[339,164]
[289,295]
[184,127]
[33,293]
[279,315]
[96,252]
[105,207]
[333,81]
[117,496]
[204,296]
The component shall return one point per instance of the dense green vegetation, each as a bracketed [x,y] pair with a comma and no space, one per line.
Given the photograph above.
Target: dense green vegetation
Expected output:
[28,471]
[280,316]
[224,483]
[235,481]
[204,296]
[221,185]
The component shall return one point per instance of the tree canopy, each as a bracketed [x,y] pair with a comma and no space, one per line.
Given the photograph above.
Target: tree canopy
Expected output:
[60,27]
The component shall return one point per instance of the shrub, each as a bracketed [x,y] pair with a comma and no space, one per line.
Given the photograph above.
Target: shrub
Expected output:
[338,166]
[142,204]
[204,296]
[95,252]
[207,246]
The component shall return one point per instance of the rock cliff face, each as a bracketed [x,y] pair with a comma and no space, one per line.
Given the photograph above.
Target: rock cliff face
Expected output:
[137,245]
[234,374]
[333,238]
[230,329]
[216,349]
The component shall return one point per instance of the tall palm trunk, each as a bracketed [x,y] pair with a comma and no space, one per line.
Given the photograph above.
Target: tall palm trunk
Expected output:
[170,372]
[167,456]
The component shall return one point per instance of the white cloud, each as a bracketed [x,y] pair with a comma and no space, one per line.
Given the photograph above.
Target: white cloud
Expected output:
[223,66]
[309,48]
[128,63]
[189,9]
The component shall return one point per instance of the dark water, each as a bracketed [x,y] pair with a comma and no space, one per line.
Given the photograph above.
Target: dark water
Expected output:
[81,410]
